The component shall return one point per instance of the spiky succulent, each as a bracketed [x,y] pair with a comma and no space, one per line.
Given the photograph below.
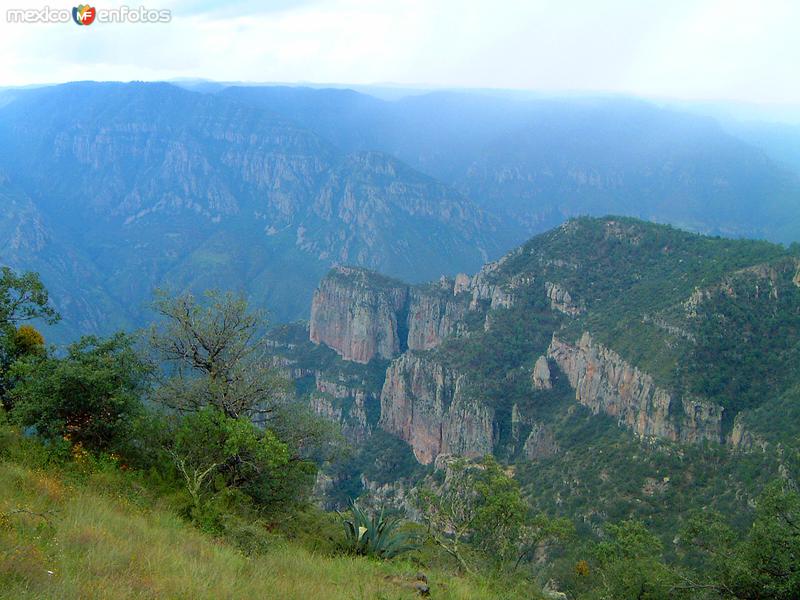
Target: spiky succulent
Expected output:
[375,534]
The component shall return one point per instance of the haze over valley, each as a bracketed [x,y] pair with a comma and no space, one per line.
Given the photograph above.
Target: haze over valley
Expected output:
[263,188]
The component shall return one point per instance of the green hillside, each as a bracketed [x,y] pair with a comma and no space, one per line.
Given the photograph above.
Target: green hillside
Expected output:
[713,321]
[99,534]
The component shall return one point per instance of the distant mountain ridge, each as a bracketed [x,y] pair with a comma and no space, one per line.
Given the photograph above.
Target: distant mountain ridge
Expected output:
[156,185]
[534,163]
[128,187]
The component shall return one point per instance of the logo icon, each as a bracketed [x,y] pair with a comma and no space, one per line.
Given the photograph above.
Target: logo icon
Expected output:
[84,14]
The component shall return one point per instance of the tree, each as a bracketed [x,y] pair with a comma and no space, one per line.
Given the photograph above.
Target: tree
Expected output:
[629,564]
[22,298]
[208,443]
[765,564]
[219,375]
[90,396]
[478,506]
[215,354]
[28,341]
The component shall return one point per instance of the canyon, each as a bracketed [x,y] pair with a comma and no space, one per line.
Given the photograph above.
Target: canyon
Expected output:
[438,408]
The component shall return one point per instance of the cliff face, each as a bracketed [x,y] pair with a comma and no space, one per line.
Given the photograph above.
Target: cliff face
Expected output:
[540,443]
[351,407]
[424,403]
[529,438]
[541,374]
[362,315]
[561,300]
[356,316]
[604,382]
[344,399]
[431,318]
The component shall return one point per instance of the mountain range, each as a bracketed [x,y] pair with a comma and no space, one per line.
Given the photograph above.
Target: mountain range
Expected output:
[111,190]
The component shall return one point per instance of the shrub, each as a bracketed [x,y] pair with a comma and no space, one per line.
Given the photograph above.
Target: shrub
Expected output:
[216,454]
[89,397]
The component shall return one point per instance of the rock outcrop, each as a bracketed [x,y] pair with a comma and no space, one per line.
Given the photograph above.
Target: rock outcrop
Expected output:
[529,438]
[561,300]
[424,403]
[349,406]
[540,443]
[363,315]
[606,383]
[355,312]
[541,374]
[742,438]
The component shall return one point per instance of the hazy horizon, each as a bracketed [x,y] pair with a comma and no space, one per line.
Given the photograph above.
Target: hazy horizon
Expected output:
[786,113]
[707,51]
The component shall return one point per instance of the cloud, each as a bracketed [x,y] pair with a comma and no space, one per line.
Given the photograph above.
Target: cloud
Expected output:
[726,49]
[217,9]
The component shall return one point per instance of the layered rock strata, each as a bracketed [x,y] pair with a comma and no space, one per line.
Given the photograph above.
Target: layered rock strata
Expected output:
[606,383]
[425,404]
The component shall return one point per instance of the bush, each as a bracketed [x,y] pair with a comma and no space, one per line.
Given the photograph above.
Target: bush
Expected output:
[216,454]
[90,397]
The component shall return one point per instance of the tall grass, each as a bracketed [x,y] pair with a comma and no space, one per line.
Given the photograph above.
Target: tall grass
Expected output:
[61,539]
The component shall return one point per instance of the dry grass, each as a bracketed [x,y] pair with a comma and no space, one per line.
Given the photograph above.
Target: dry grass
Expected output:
[79,542]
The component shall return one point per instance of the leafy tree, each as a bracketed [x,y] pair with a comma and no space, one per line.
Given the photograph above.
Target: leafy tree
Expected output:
[90,396]
[28,341]
[23,342]
[209,443]
[215,355]
[541,532]
[766,563]
[23,298]
[629,564]
[479,506]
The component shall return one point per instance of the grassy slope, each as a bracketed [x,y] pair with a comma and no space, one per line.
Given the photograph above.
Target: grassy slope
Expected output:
[98,542]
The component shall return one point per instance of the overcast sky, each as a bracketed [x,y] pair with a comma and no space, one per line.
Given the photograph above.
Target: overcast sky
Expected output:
[693,49]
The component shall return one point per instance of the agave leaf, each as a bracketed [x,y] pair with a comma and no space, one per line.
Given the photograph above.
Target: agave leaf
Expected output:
[375,534]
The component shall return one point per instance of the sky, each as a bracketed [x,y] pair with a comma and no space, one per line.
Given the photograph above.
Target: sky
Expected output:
[736,50]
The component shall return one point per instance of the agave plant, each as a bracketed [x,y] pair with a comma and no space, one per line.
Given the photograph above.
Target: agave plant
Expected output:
[375,535]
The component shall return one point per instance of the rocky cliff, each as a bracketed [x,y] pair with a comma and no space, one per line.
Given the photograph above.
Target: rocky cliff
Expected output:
[426,404]
[355,312]
[606,383]
[363,315]
[352,407]
[529,438]
[691,342]
[432,317]
[507,394]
